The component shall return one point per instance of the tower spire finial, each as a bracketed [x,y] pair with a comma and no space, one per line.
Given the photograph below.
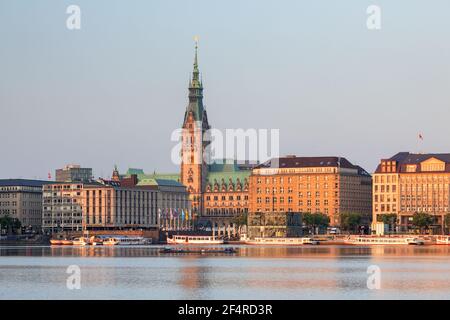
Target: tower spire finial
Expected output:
[195,74]
[196,55]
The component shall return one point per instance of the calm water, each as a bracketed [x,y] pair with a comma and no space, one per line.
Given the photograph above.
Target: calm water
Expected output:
[315,272]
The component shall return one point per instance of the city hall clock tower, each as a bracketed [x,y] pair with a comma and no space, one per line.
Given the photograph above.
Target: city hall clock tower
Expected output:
[194,168]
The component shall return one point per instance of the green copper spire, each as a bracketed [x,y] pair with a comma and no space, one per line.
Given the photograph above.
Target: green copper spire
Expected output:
[195,90]
[196,56]
[196,83]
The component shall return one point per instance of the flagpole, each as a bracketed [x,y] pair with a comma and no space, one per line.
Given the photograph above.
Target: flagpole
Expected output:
[419,139]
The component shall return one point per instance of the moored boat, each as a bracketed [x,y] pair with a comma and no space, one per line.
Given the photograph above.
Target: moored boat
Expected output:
[385,241]
[93,241]
[110,242]
[445,240]
[56,242]
[281,241]
[188,240]
[66,242]
[124,240]
[80,241]
[132,240]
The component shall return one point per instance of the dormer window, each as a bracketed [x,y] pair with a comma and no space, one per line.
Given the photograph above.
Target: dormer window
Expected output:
[432,165]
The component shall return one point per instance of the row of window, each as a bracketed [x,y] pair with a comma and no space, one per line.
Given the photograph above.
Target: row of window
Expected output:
[268,180]
[385,188]
[275,200]
[63,187]
[225,212]
[223,198]
[8,195]
[290,209]
[382,198]
[225,204]
[231,188]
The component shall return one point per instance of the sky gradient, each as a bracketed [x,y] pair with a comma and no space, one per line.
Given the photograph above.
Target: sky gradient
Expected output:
[113,92]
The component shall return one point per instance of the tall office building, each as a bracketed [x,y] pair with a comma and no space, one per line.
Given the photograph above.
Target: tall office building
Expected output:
[329,185]
[22,199]
[73,173]
[408,183]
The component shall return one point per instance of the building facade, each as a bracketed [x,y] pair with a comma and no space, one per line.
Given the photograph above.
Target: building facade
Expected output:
[62,207]
[111,205]
[22,199]
[408,183]
[329,185]
[227,191]
[73,173]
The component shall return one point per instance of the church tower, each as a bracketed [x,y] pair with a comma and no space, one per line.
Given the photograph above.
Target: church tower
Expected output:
[193,165]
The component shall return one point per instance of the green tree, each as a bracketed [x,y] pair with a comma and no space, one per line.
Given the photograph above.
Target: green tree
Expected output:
[447,221]
[422,220]
[389,219]
[240,220]
[10,224]
[315,220]
[350,221]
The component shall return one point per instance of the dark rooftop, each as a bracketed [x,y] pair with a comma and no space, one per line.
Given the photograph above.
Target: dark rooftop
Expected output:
[405,158]
[305,162]
[301,162]
[22,183]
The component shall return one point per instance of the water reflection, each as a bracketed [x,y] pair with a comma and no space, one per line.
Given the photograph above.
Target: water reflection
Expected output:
[242,251]
[254,272]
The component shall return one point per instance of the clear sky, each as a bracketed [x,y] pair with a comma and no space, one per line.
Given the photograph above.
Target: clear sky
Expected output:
[113,92]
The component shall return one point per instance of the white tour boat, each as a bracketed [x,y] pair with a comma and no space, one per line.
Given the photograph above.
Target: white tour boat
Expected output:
[443,240]
[180,239]
[385,241]
[110,242]
[132,240]
[80,241]
[126,240]
[281,241]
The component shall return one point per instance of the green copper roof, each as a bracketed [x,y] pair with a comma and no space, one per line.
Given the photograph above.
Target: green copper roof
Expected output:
[158,182]
[226,170]
[166,176]
[224,166]
[144,176]
[212,177]
[147,182]
[195,93]
[131,171]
